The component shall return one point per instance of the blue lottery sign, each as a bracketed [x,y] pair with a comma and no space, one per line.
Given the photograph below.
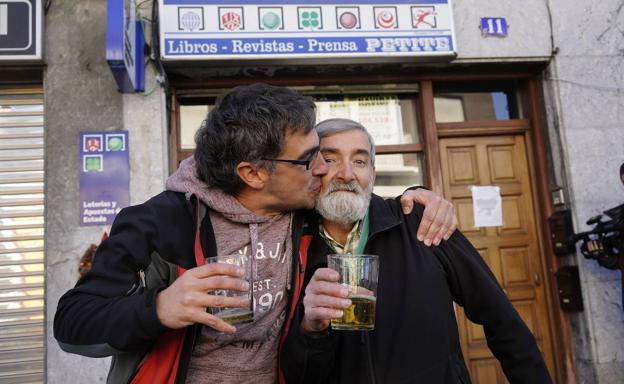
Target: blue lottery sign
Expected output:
[222,30]
[104,176]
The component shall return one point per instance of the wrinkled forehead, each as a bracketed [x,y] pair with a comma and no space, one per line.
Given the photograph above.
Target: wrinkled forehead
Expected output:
[347,142]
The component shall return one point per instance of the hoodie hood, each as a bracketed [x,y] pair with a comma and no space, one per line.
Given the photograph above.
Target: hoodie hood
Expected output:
[185,180]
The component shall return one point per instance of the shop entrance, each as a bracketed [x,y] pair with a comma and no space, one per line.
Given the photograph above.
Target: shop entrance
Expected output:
[511,251]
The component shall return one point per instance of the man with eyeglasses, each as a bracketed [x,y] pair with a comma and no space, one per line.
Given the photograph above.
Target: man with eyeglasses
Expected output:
[255,171]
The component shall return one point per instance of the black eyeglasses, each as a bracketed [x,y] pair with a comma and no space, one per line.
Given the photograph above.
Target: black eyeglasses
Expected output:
[305,163]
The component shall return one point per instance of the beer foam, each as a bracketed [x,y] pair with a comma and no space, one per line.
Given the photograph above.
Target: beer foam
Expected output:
[363,297]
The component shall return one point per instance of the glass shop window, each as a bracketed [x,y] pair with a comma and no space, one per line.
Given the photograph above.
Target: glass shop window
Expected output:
[458,102]
[392,120]
[390,116]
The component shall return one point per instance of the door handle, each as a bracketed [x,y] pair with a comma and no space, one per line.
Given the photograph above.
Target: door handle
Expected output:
[537,279]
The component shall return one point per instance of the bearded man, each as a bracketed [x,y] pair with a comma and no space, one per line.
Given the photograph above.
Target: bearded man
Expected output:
[415,339]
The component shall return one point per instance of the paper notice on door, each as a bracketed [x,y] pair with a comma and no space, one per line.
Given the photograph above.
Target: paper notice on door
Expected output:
[487,206]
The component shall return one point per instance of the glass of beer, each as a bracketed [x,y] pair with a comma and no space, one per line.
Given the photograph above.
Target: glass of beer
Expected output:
[234,315]
[359,273]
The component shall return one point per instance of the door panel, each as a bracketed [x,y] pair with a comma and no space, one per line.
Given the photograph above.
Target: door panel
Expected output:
[486,371]
[511,251]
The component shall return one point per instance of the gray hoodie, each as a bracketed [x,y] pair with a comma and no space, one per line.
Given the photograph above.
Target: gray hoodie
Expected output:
[249,355]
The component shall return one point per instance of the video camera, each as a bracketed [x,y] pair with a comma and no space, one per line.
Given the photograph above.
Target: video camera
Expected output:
[605,242]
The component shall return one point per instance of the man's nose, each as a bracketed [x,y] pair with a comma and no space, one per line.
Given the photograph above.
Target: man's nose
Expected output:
[319,166]
[345,171]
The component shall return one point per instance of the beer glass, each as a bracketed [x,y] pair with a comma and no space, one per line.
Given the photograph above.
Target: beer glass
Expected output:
[235,315]
[359,273]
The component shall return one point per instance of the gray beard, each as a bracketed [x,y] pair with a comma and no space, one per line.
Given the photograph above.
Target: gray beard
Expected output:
[339,206]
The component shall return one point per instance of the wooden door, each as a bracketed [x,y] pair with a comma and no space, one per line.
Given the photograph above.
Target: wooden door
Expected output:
[511,251]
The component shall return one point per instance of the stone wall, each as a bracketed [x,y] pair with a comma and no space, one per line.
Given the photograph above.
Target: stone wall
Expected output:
[584,88]
[81,95]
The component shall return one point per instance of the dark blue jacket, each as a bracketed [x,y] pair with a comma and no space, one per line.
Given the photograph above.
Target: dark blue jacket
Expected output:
[415,338]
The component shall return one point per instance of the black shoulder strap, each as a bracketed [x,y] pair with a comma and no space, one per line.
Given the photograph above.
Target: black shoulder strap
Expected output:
[207,237]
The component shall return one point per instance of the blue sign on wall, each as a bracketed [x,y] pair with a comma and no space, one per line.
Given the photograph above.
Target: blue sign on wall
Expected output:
[494,26]
[104,176]
[124,45]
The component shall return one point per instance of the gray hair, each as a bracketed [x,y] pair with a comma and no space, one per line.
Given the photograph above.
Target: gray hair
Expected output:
[331,127]
[249,123]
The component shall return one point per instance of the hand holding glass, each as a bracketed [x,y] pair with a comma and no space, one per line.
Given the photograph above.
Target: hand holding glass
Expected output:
[234,315]
[359,273]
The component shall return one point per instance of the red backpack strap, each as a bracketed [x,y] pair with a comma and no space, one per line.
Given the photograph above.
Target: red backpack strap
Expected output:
[162,363]
[299,277]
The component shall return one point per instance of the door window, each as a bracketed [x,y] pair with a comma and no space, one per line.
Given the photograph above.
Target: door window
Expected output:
[458,102]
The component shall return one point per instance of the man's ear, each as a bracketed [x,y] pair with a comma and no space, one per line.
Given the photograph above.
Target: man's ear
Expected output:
[252,175]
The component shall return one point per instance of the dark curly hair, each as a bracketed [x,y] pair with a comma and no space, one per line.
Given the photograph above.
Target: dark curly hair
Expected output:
[248,123]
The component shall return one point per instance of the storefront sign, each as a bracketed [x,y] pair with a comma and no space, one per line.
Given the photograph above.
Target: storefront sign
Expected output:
[124,45]
[20,30]
[104,176]
[236,29]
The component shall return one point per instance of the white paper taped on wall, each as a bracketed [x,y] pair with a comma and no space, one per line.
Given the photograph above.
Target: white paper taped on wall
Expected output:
[487,206]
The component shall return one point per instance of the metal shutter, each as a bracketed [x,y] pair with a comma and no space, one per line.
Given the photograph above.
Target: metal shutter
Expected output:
[22,322]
